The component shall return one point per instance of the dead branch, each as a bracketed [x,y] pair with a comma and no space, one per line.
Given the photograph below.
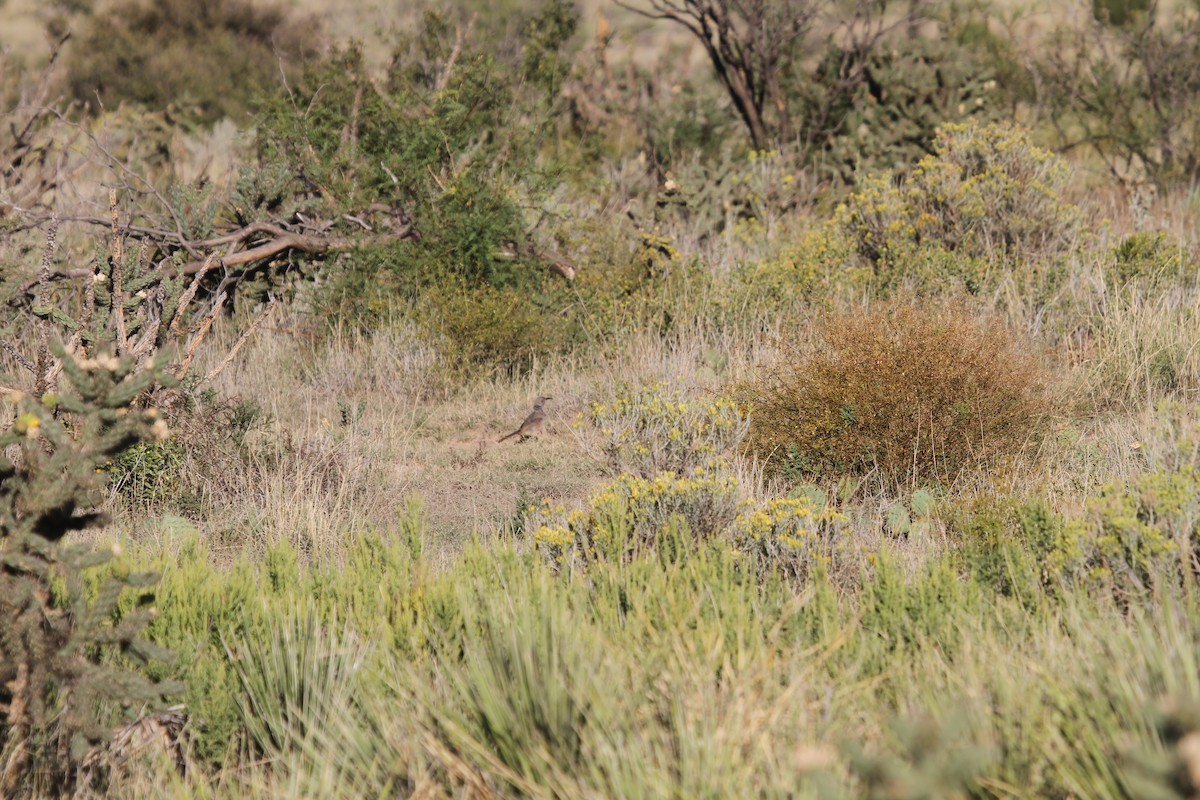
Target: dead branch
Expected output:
[198,334]
[245,337]
[460,38]
[269,242]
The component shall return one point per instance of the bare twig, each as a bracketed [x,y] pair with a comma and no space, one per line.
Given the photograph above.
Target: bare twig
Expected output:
[199,333]
[18,356]
[460,38]
[186,298]
[118,281]
[149,187]
[245,337]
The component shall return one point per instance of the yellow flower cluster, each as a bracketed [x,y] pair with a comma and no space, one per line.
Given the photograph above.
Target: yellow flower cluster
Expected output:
[631,513]
[792,517]
[654,429]
[790,534]
[986,195]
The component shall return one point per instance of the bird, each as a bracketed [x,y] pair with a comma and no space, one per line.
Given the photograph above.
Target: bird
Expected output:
[532,424]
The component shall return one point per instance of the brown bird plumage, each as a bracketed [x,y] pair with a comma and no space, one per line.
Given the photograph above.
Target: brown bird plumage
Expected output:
[532,424]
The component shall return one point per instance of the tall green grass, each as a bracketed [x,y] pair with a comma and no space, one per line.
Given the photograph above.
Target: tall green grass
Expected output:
[695,676]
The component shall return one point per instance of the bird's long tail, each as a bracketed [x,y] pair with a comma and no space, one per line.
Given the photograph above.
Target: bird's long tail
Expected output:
[506,438]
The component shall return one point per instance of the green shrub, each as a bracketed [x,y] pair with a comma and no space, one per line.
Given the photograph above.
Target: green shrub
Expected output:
[986,202]
[448,194]
[652,429]
[248,634]
[1149,258]
[203,59]
[1119,12]
[904,393]
[844,85]
[937,759]
[1022,549]
[147,473]
[665,515]
[545,62]
[500,329]
[524,688]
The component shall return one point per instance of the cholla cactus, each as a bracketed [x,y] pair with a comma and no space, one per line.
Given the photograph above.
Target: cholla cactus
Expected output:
[128,306]
[52,679]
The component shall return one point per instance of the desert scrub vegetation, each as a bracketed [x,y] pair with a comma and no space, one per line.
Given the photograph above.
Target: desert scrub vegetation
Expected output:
[884,475]
[664,514]
[986,202]
[503,666]
[902,393]
[1126,88]
[646,430]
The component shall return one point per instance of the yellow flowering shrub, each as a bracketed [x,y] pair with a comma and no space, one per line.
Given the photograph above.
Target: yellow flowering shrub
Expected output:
[632,515]
[653,429]
[1145,530]
[986,199]
[822,261]
[792,535]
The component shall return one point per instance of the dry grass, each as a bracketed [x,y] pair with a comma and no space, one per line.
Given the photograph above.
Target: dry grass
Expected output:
[354,426]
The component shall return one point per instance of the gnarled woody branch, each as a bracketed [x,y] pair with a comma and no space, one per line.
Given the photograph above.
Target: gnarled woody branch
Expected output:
[156,316]
[278,241]
[272,240]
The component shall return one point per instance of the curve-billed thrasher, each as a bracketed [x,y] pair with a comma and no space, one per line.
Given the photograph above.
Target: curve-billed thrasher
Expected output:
[532,424]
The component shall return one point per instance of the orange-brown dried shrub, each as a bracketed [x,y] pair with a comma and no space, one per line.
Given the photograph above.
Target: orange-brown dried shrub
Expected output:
[899,392]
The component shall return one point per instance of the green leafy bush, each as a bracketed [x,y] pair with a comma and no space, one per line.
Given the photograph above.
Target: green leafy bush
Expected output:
[791,535]
[904,393]
[446,194]
[986,202]
[664,515]
[1020,548]
[147,473]
[203,59]
[59,691]
[653,429]
[485,327]
[1149,258]
[1119,12]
